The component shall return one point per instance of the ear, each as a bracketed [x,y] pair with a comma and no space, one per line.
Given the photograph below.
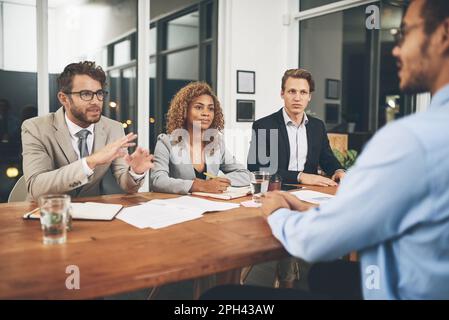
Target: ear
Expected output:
[63,98]
[445,37]
[310,97]
[282,94]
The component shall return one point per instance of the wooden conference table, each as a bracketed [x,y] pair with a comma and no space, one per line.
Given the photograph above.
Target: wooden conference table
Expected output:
[115,257]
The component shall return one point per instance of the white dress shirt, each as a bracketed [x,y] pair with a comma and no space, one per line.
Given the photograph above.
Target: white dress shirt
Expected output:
[73,130]
[297,138]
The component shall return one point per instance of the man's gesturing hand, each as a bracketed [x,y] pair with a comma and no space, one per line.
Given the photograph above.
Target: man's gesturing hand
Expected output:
[111,151]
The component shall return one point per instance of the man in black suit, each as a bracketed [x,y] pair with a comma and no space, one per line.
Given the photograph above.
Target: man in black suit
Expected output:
[296,143]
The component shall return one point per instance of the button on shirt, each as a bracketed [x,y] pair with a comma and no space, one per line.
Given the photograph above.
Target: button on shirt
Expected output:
[297,138]
[392,207]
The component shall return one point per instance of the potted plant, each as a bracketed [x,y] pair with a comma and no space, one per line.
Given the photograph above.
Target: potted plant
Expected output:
[346,159]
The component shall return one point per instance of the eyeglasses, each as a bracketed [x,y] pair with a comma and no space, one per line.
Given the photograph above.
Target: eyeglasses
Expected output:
[400,33]
[88,95]
[294,93]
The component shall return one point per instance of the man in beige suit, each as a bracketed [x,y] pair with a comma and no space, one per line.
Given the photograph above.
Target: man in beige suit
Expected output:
[71,150]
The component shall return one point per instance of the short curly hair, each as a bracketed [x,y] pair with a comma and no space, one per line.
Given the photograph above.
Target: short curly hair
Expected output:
[179,105]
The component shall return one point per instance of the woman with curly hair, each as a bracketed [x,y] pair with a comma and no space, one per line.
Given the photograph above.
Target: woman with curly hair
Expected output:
[193,150]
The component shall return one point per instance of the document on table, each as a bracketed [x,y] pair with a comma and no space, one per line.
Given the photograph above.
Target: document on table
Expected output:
[157,216]
[160,213]
[312,196]
[203,204]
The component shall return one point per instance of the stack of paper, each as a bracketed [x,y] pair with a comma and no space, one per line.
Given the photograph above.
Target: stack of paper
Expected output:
[230,193]
[313,196]
[163,213]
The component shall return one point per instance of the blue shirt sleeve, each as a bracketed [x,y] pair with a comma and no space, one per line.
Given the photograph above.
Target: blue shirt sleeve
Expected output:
[370,206]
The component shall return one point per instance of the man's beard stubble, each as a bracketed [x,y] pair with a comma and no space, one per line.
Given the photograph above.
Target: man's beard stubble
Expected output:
[80,116]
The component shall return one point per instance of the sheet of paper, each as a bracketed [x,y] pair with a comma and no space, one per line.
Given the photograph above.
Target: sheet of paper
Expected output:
[313,196]
[230,193]
[192,202]
[250,204]
[156,216]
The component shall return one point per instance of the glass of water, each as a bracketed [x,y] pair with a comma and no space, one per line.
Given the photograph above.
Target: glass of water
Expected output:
[259,184]
[54,215]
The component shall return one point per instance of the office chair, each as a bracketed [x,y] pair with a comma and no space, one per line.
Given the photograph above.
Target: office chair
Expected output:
[19,192]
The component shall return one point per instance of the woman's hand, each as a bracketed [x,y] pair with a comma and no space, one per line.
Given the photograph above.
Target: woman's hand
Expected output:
[217,185]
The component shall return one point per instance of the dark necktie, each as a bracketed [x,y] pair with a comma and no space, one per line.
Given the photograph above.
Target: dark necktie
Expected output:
[82,142]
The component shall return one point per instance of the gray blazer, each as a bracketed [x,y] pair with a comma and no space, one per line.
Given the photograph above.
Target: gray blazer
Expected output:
[173,171]
[51,165]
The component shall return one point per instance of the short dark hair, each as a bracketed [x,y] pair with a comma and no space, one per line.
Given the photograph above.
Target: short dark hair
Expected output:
[434,12]
[65,79]
[298,74]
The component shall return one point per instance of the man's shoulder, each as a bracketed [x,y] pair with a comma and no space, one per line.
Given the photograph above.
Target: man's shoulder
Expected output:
[267,121]
[42,122]
[111,123]
[315,121]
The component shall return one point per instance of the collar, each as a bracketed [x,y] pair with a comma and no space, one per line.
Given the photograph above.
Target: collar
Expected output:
[288,120]
[74,128]
[440,97]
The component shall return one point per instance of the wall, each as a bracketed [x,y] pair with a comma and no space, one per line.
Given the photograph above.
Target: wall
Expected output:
[253,36]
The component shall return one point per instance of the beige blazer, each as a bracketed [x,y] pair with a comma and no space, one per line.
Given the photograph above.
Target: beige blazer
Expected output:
[51,165]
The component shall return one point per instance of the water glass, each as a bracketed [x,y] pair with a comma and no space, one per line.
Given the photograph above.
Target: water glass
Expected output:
[54,215]
[259,184]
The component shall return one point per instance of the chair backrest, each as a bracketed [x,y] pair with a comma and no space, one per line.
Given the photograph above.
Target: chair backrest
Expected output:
[338,141]
[19,192]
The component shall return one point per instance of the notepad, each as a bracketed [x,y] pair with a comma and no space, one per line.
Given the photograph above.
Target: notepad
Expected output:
[86,211]
[313,196]
[230,193]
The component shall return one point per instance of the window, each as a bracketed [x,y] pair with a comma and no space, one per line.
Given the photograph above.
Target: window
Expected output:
[18,85]
[361,61]
[310,4]
[185,51]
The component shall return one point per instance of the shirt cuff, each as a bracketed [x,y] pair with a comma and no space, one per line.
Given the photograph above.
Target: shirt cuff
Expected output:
[136,176]
[277,219]
[298,176]
[87,170]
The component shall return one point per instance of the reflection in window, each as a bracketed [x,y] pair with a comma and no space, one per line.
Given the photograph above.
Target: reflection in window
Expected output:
[122,52]
[183,66]
[183,31]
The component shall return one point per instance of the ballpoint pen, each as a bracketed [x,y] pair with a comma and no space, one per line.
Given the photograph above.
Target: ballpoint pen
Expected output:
[207,174]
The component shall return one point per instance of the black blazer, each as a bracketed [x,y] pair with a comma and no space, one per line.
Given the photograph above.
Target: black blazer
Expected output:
[318,153]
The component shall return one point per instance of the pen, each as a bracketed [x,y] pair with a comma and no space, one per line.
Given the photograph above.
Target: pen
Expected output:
[28,215]
[207,174]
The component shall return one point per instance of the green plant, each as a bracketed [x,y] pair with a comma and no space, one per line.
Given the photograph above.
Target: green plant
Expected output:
[346,159]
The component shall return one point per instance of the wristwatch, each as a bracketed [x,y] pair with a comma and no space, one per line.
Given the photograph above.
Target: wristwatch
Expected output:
[299,177]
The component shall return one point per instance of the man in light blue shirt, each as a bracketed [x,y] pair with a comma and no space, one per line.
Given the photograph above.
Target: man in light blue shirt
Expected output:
[393,206]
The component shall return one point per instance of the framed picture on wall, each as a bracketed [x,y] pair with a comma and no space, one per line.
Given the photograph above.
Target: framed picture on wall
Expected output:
[332,89]
[332,113]
[246,82]
[246,110]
